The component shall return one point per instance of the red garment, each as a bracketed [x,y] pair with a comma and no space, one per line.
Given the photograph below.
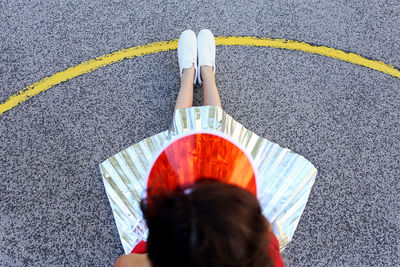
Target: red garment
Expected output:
[140,248]
[273,249]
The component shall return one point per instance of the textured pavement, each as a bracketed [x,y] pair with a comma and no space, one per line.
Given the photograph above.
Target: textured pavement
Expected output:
[342,117]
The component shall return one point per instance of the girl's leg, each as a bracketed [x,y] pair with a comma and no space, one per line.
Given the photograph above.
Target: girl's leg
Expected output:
[211,96]
[185,95]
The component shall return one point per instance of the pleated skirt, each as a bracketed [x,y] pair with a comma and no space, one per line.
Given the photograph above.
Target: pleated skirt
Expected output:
[284,179]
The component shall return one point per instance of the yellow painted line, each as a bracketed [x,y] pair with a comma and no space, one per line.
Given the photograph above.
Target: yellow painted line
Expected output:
[320,50]
[152,48]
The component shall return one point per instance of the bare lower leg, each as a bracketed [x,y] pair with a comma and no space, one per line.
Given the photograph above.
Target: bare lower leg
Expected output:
[185,95]
[211,96]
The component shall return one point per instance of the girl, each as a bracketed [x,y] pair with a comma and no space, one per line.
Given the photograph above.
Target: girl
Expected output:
[214,215]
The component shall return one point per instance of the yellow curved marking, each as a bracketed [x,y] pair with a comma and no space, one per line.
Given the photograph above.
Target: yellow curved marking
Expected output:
[152,48]
[320,50]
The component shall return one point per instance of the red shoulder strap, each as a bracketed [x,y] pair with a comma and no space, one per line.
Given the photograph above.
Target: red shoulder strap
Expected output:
[273,251]
[140,248]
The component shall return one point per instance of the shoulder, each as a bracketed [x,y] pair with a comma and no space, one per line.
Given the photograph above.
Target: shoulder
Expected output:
[133,260]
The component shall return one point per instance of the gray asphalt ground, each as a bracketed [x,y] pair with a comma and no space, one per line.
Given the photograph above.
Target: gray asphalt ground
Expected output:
[342,117]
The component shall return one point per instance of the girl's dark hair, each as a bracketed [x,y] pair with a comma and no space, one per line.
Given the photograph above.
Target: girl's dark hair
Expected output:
[209,224]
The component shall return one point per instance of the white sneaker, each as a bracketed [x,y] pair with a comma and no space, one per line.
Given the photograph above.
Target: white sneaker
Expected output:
[187,52]
[205,50]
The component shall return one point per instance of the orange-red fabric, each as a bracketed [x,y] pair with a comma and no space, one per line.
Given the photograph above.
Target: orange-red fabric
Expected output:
[273,250]
[201,155]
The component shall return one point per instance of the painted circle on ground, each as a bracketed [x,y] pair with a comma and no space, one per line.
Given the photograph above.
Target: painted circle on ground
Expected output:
[152,48]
